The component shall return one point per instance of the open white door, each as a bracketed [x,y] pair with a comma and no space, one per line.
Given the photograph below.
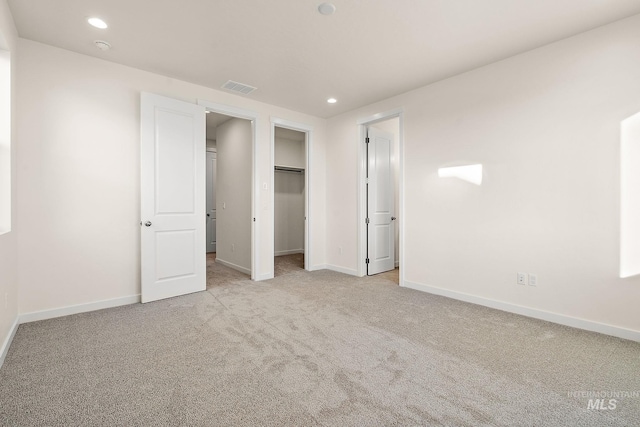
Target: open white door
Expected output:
[380,202]
[173,257]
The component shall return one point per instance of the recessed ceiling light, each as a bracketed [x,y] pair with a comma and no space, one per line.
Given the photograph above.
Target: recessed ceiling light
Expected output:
[332,100]
[98,23]
[327,9]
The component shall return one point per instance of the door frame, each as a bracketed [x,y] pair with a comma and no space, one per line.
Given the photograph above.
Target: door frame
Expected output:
[207,151]
[308,131]
[256,226]
[362,124]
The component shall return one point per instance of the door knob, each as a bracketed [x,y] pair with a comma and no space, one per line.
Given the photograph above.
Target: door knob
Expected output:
[393,218]
[208,215]
[148,223]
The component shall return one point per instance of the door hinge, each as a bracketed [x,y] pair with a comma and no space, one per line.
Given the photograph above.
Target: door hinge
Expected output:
[366,140]
[366,260]
[366,220]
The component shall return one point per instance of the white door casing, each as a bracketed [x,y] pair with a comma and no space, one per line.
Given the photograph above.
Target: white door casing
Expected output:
[308,202]
[173,257]
[380,202]
[211,200]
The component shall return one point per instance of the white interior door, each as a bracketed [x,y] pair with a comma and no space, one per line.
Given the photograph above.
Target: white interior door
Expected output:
[380,202]
[211,200]
[173,259]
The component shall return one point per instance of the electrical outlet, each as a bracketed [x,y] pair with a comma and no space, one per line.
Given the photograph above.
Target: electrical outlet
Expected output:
[6,300]
[340,250]
[533,279]
[233,247]
[522,278]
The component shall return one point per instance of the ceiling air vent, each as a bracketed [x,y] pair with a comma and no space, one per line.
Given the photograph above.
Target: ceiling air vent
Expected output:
[238,87]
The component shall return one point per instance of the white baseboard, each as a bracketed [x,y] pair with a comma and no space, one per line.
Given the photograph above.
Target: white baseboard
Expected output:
[349,271]
[234,266]
[561,319]
[7,342]
[289,252]
[79,308]
[265,276]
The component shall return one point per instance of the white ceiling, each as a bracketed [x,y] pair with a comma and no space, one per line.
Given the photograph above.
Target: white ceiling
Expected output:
[367,51]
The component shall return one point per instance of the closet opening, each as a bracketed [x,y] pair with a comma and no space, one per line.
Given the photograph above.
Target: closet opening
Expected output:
[290,200]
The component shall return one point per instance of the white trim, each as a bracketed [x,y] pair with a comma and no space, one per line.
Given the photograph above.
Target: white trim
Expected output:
[266,276]
[228,110]
[7,342]
[235,267]
[362,231]
[79,308]
[561,319]
[308,131]
[288,124]
[345,270]
[289,252]
[256,224]
[378,117]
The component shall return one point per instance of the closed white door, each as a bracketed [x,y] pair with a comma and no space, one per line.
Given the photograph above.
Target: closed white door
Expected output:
[211,200]
[173,259]
[380,202]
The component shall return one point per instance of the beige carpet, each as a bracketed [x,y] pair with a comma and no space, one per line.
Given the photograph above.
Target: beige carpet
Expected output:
[307,349]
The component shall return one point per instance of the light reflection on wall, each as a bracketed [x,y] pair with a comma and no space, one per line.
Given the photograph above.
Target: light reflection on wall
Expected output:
[630,196]
[469,173]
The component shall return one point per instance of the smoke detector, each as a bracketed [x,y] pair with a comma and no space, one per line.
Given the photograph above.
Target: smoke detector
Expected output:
[327,9]
[102,45]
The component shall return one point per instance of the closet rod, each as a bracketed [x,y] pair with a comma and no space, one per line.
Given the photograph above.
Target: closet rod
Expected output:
[286,169]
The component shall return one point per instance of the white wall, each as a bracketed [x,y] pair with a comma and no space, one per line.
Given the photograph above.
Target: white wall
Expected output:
[8,239]
[289,151]
[233,202]
[289,212]
[546,127]
[78,175]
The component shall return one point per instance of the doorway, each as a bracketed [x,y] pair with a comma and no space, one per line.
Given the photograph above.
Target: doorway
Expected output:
[290,148]
[289,200]
[229,145]
[380,196]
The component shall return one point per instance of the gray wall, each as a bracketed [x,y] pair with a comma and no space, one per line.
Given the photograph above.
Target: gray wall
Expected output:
[234,194]
[289,193]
